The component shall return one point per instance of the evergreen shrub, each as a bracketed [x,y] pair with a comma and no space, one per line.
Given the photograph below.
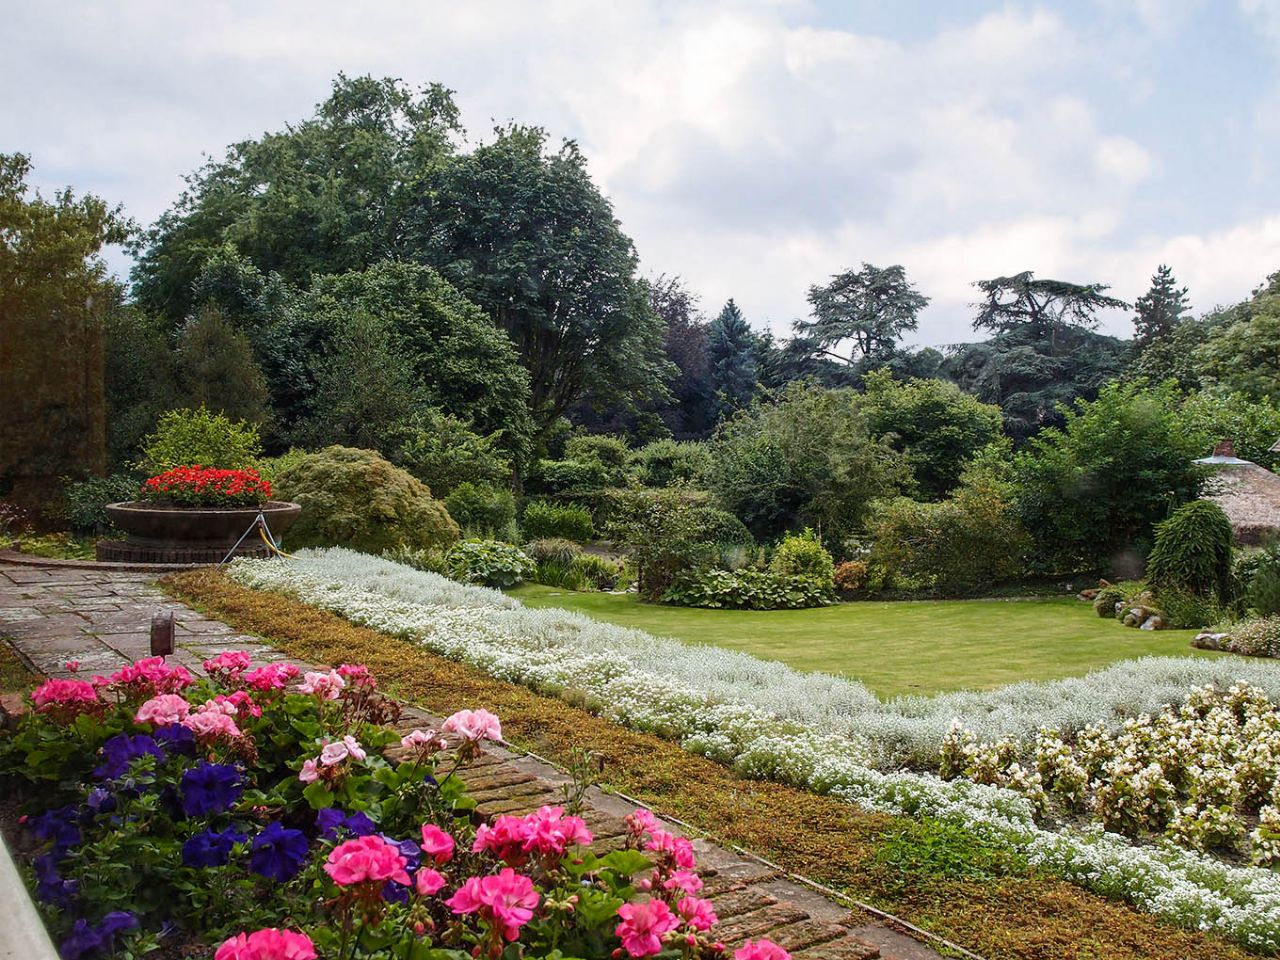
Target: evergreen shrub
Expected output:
[1192,551]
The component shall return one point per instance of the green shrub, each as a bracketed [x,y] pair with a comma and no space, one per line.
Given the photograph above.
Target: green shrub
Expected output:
[1104,604]
[962,545]
[87,500]
[665,463]
[1192,552]
[357,499]
[570,476]
[747,590]
[1184,610]
[431,559]
[664,533]
[600,572]
[1255,577]
[189,437]
[488,562]
[609,451]
[271,467]
[481,509]
[720,527]
[553,550]
[802,554]
[444,452]
[561,575]
[544,519]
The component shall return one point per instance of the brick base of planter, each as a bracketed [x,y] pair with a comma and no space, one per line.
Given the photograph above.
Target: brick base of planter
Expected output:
[122,551]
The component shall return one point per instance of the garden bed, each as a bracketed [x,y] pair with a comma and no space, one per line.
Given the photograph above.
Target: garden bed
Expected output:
[945,877]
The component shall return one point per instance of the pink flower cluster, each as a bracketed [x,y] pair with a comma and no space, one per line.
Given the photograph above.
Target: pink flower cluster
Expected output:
[368,859]
[436,844]
[163,709]
[546,832]
[214,719]
[357,675]
[228,665]
[68,696]
[274,676]
[148,677]
[326,686]
[761,949]
[331,754]
[424,742]
[506,901]
[644,925]
[474,726]
[269,944]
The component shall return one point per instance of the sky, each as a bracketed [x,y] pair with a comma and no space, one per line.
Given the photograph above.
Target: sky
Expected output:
[753,148]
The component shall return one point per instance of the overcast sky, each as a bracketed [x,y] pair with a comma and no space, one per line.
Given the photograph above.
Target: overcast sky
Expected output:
[753,148]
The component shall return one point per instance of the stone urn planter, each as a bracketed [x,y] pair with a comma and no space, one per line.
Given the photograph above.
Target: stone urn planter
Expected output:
[160,533]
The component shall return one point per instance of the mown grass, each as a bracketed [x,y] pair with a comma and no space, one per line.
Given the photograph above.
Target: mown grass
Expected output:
[937,876]
[899,647]
[58,546]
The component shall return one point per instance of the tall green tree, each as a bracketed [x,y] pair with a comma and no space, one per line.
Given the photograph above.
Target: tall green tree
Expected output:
[216,369]
[731,359]
[1160,309]
[522,230]
[1043,308]
[55,289]
[869,310]
[326,195]
[1241,351]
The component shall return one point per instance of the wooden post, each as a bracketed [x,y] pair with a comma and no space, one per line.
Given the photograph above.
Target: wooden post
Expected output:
[162,633]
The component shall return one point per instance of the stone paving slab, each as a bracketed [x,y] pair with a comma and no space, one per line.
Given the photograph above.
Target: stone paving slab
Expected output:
[102,619]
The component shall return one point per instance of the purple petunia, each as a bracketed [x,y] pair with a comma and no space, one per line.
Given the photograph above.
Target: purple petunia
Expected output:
[176,739]
[211,848]
[331,820]
[121,750]
[209,788]
[61,826]
[50,887]
[278,852]
[85,938]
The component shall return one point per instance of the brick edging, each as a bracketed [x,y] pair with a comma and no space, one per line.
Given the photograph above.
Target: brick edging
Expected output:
[20,559]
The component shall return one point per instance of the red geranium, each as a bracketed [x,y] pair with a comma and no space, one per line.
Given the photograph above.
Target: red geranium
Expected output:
[208,487]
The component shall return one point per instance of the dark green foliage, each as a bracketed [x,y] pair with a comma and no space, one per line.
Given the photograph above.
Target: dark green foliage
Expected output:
[326,195]
[490,563]
[1043,308]
[938,427]
[663,534]
[140,379]
[555,550]
[443,452]
[87,498]
[665,463]
[1241,347]
[1256,581]
[610,452]
[808,459]
[1160,309]
[462,365]
[524,233]
[1192,551]
[1104,604]
[748,590]
[1253,425]
[563,564]
[569,476]
[803,555]
[731,361]
[1029,376]
[1091,493]
[1184,610]
[216,368]
[713,525]
[871,308]
[200,437]
[543,519]
[481,509]
[357,499]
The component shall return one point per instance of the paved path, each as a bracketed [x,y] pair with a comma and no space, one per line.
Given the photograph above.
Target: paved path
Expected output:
[103,620]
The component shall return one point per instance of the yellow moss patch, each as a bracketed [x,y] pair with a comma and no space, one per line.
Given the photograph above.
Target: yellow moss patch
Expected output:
[1009,913]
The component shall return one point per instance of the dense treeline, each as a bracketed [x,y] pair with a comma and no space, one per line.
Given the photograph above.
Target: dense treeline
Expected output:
[477,316]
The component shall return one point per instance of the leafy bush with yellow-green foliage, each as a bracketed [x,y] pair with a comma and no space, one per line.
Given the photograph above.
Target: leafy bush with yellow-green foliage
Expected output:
[358,499]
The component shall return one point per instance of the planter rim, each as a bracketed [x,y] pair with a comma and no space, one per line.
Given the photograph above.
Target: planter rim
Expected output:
[146,506]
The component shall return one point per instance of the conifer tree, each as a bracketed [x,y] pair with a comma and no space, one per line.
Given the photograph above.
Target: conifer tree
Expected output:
[1160,309]
[731,355]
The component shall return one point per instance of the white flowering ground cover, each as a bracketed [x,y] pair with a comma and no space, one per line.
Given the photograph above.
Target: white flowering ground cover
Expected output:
[823,733]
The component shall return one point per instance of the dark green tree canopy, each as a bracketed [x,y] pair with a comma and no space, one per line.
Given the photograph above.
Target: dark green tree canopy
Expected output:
[731,359]
[870,309]
[325,196]
[523,232]
[1160,309]
[1043,307]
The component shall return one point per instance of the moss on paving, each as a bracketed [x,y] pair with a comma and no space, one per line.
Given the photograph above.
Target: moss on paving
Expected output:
[14,675]
[936,876]
[900,647]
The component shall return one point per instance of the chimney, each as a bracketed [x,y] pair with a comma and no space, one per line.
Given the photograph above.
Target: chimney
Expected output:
[1224,448]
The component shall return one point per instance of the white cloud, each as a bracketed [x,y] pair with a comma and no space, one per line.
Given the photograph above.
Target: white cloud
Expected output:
[745,146]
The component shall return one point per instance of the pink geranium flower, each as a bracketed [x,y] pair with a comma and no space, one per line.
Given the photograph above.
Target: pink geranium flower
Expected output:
[274,676]
[640,821]
[679,849]
[423,741]
[309,773]
[358,675]
[474,725]
[504,838]
[507,900]
[269,944]
[162,710]
[436,844]
[549,831]
[334,753]
[74,694]
[211,724]
[643,926]
[231,662]
[153,675]
[761,949]
[428,882]
[685,880]
[367,859]
[326,686]
[697,913]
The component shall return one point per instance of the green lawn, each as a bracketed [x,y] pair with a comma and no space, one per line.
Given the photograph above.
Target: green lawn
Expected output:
[900,647]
